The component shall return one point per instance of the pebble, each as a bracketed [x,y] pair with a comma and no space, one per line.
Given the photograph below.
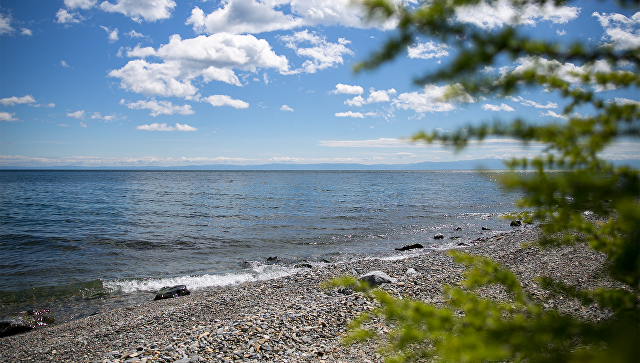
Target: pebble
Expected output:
[292,319]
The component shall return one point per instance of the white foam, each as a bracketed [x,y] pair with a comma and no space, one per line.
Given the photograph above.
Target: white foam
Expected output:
[258,273]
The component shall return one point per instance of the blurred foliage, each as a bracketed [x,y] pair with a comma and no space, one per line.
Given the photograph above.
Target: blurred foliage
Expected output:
[575,195]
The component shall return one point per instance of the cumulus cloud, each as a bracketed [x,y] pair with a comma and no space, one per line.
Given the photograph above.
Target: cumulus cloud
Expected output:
[65,17]
[626,101]
[164,127]
[159,107]
[374,97]
[210,57]
[253,16]
[533,103]
[77,115]
[134,34]
[503,13]
[553,114]
[431,99]
[347,89]
[113,34]
[26,32]
[138,52]
[6,116]
[428,50]
[97,116]
[621,31]
[569,72]
[64,64]
[286,108]
[5,24]
[349,114]
[323,54]
[82,4]
[357,101]
[224,100]
[138,10]
[10,101]
[380,96]
[502,107]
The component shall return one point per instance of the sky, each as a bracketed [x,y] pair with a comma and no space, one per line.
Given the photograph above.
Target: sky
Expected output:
[93,83]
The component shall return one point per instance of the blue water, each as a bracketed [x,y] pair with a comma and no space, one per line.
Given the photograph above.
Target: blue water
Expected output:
[110,233]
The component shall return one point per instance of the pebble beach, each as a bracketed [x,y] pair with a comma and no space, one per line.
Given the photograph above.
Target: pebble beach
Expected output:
[293,319]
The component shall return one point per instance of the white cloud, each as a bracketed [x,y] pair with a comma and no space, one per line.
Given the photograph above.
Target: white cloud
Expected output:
[323,54]
[134,34]
[502,107]
[553,114]
[96,115]
[428,50]
[26,32]
[164,127]
[253,16]
[533,103]
[10,101]
[380,96]
[345,88]
[138,52]
[503,13]
[6,116]
[82,4]
[357,101]
[65,17]
[64,64]
[113,35]
[431,99]
[62,125]
[83,125]
[5,24]
[622,32]
[626,101]
[159,107]
[137,10]
[77,115]
[349,114]
[48,105]
[286,108]
[211,57]
[561,32]
[224,100]
[569,72]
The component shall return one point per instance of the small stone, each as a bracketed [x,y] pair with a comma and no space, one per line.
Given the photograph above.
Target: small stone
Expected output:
[376,278]
[171,292]
[438,236]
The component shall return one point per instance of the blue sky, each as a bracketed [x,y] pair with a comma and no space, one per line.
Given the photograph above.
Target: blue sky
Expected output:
[168,83]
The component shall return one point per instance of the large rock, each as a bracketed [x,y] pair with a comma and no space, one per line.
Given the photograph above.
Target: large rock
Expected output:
[376,278]
[410,247]
[516,223]
[25,321]
[438,236]
[170,292]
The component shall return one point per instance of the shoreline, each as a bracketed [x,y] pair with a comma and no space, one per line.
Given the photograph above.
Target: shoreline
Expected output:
[291,319]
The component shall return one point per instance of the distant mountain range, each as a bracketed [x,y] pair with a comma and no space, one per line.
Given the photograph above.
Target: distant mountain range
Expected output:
[491,164]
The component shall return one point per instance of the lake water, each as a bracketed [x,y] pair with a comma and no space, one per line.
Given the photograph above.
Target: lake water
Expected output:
[81,241]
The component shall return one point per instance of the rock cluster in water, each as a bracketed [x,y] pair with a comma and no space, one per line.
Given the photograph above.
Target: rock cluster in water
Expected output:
[171,292]
[25,321]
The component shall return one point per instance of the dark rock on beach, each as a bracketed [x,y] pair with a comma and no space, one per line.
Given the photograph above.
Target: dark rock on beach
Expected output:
[376,278]
[303,265]
[410,247]
[170,292]
[516,223]
[438,236]
[486,229]
[273,259]
[25,321]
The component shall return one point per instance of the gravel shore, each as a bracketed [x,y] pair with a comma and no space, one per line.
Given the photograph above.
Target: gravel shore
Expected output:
[292,319]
